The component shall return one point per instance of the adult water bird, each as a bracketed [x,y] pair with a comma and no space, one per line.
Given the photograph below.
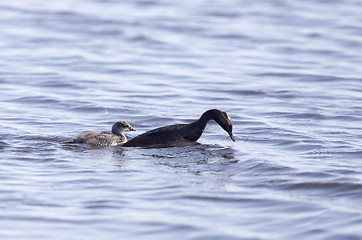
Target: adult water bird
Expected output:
[182,132]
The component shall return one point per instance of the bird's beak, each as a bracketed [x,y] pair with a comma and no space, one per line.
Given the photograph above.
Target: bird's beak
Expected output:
[231,136]
[132,129]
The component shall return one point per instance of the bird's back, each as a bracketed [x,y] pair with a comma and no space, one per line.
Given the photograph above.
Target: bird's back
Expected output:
[100,139]
[158,136]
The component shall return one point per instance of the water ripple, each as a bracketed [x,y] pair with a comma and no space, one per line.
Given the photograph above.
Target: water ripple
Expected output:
[287,72]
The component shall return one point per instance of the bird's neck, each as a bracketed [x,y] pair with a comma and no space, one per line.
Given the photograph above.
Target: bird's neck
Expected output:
[200,124]
[193,131]
[117,131]
[205,118]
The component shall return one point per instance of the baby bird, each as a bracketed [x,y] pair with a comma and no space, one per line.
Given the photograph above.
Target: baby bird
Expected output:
[104,139]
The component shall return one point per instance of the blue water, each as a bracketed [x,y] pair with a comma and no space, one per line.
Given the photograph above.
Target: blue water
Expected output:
[287,72]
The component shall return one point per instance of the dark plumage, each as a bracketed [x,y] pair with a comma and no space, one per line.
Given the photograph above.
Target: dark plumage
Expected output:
[182,132]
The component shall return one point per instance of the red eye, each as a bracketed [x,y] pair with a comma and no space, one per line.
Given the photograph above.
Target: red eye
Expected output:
[228,125]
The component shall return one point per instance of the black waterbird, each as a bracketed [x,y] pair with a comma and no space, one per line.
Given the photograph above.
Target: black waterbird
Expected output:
[182,132]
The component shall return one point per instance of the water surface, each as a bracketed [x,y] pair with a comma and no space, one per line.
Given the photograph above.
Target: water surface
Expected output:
[287,72]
